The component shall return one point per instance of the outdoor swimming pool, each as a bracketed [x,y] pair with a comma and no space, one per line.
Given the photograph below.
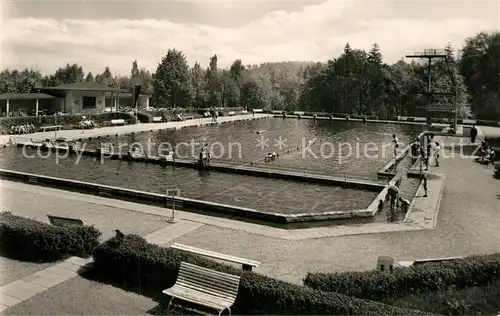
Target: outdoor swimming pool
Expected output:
[262,194]
[317,146]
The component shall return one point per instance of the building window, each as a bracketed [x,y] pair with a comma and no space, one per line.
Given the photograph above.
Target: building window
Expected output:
[88,102]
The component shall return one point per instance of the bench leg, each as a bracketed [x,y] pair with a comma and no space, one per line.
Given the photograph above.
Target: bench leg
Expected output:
[170,303]
[228,310]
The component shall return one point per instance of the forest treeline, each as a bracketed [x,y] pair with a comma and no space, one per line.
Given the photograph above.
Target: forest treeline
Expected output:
[356,82]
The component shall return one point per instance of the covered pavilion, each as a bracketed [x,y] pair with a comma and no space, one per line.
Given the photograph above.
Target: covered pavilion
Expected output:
[23,99]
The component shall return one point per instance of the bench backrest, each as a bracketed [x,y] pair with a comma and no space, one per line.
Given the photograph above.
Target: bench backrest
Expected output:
[209,281]
[64,221]
[118,121]
[157,119]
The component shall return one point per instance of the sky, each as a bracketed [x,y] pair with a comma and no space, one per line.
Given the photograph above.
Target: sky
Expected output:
[48,34]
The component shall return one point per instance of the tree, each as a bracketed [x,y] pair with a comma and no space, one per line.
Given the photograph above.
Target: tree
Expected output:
[375,81]
[251,95]
[140,77]
[134,73]
[25,81]
[480,67]
[106,78]
[171,82]
[237,71]
[68,74]
[198,84]
[89,77]
[214,87]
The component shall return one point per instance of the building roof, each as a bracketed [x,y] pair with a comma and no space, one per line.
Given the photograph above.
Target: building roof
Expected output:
[84,86]
[129,95]
[25,96]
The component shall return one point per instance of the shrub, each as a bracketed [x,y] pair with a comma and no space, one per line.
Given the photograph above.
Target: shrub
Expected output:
[144,117]
[29,239]
[476,300]
[493,141]
[37,121]
[461,273]
[134,262]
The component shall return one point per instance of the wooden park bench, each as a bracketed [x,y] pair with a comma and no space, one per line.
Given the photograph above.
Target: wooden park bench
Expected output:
[157,119]
[64,221]
[51,128]
[205,287]
[118,122]
[230,113]
[246,264]
[188,117]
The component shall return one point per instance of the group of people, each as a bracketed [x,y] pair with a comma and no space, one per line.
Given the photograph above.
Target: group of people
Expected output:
[426,153]
[397,202]
[22,129]
[86,123]
[271,157]
[487,154]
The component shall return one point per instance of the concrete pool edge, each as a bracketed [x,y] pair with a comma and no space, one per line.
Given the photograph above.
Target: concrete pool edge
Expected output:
[160,200]
[215,221]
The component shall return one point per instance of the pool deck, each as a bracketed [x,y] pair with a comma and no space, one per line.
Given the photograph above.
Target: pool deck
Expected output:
[133,128]
[460,217]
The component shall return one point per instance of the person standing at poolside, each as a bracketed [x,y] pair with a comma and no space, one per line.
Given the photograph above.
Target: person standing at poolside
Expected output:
[473,134]
[437,150]
[424,179]
[393,193]
[395,143]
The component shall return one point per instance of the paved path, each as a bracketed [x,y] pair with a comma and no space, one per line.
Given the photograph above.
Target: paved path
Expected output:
[76,134]
[488,131]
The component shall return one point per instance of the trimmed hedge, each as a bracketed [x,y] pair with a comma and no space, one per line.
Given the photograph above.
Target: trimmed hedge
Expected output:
[31,240]
[37,121]
[136,263]
[460,273]
[475,300]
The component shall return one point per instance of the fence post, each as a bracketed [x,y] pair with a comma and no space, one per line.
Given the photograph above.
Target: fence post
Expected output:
[173,207]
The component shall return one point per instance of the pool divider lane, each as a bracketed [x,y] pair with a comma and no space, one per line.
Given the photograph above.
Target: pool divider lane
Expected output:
[346,182]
